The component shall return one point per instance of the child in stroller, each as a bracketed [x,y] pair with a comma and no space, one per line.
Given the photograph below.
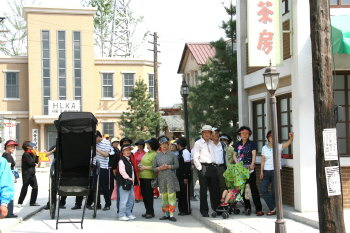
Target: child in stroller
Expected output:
[229,200]
[236,176]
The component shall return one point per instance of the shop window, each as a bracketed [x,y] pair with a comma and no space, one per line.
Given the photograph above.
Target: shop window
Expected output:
[259,126]
[77,65]
[46,80]
[108,128]
[11,84]
[128,84]
[342,98]
[285,124]
[107,85]
[61,47]
[151,85]
[339,3]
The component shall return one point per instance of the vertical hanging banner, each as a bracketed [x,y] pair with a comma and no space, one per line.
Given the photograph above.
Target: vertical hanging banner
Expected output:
[264,33]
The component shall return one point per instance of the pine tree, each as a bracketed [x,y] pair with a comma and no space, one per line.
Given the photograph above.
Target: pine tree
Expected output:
[214,100]
[140,121]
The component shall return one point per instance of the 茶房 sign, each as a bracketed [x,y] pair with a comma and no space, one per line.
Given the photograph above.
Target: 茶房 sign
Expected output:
[56,107]
[264,32]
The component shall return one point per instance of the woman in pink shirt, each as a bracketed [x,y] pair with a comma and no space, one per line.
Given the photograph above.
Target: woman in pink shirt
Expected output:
[138,156]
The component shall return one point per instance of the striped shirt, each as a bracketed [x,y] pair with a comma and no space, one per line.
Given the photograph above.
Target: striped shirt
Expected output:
[104,145]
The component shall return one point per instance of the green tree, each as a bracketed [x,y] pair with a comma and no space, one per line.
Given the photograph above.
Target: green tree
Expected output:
[140,121]
[213,100]
[14,39]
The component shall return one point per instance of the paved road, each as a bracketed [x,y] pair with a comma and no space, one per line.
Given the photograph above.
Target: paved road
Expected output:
[106,221]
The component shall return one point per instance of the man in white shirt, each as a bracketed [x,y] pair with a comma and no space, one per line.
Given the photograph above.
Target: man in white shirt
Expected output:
[103,148]
[220,155]
[205,162]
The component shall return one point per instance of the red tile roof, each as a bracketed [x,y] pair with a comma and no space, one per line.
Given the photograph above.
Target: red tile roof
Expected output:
[200,51]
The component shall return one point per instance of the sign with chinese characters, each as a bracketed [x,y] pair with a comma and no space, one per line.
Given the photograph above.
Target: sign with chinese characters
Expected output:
[264,33]
[330,148]
[35,136]
[333,181]
[56,107]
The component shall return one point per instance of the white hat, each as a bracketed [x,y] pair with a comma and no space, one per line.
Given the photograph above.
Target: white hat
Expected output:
[206,128]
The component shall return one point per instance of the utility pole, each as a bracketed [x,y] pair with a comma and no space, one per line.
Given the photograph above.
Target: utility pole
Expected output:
[155,75]
[330,208]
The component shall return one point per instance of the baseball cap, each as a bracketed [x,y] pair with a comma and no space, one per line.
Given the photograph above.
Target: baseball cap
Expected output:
[206,128]
[31,144]
[125,146]
[114,140]
[11,143]
[163,139]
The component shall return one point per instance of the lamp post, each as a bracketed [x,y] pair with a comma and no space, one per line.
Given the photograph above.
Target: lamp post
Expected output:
[271,78]
[184,93]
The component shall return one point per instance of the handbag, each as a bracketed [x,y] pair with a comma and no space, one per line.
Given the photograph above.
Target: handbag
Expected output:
[127,185]
[154,183]
[15,173]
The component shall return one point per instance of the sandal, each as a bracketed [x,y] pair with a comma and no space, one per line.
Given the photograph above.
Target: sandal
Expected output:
[272,212]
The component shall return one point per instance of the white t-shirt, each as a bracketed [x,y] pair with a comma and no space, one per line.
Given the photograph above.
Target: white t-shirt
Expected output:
[268,153]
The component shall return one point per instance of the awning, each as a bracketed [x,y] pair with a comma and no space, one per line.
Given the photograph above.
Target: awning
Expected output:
[340,34]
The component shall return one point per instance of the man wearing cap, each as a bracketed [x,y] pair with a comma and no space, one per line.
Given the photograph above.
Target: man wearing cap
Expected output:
[7,190]
[229,149]
[204,160]
[102,155]
[220,158]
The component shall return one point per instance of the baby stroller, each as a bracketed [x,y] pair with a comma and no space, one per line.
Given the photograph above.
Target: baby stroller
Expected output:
[236,176]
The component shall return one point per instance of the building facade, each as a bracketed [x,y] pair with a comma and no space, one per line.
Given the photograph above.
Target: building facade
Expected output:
[295,102]
[61,70]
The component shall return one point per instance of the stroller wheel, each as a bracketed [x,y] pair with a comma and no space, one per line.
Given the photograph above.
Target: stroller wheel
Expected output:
[225,215]
[236,211]
[214,214]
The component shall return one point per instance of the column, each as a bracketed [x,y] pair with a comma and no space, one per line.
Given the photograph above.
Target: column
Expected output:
[42,137]
[305,189]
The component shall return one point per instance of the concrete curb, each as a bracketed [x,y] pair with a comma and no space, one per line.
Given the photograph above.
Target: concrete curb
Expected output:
[296,217]
[205,220]
[21,219]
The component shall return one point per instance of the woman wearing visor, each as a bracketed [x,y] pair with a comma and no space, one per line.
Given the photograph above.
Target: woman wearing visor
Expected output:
[166,164]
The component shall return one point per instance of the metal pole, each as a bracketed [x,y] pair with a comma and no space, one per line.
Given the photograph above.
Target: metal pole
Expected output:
[280,226]
[187,135]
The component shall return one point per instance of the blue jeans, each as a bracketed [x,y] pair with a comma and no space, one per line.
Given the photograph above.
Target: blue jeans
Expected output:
[268,197]
[126,201]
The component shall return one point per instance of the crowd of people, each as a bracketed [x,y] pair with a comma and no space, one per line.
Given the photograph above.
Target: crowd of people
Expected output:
[160,167]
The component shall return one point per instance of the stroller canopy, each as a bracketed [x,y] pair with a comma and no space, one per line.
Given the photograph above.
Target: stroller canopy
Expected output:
[76,122]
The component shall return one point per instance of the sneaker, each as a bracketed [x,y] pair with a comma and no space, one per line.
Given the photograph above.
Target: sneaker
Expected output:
[19,205]
[106,208]
[131,217]
[124,218]
[173,219]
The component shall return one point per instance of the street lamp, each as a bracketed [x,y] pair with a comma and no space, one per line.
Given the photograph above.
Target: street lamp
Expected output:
[271,78]
[184,91]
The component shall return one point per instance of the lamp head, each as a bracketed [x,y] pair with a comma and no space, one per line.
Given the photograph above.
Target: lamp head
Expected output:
[184,91]
[271,79]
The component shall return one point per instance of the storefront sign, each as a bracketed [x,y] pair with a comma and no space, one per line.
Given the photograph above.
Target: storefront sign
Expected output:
[264,32]
[330,147]
[56,107]
[333,181]
[35,136]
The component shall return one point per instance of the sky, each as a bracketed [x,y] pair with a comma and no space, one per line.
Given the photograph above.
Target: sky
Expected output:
[176,22]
